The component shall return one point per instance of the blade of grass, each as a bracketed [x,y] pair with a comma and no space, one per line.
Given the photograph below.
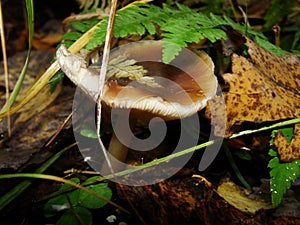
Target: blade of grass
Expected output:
[22,186]
[17,88]
[59,179]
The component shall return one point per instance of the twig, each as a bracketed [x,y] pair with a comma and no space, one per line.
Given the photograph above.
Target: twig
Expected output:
[59,129]
[103,71]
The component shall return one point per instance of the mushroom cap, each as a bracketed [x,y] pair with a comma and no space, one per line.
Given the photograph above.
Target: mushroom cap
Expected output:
[183,86]
[186,83]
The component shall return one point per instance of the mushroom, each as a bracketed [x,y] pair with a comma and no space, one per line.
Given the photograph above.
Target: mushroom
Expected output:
[170,91]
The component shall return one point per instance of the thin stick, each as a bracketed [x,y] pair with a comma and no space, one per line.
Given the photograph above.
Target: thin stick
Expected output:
[59,129]
[5,64]
[103,71]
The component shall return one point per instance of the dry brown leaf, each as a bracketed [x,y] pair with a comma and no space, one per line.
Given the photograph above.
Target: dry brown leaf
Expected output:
[288,151]
[264,87]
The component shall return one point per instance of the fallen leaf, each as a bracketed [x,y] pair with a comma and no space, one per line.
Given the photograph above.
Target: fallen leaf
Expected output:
[288,151]
[236,196]
[263,87]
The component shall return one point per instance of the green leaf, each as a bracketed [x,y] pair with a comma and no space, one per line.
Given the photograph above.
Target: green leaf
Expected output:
[91,202]
[180,26]
[89,133]
[269,46]
[273,153]
[55,80]
[56,205]
[287,132]
[99,35]
[83,26]
[76,216]
[66,186]
[61,202]
[282,175]
[73,36]
[170,51]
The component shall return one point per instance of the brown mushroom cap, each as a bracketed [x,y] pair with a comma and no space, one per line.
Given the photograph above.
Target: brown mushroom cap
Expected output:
[187,83]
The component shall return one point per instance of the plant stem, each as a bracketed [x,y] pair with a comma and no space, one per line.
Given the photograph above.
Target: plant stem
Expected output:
[273,126]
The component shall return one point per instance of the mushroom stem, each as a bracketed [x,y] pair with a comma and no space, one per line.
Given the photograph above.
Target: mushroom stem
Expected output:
[117,149]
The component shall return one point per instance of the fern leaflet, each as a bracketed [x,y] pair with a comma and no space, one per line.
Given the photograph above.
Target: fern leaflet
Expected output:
[178,27]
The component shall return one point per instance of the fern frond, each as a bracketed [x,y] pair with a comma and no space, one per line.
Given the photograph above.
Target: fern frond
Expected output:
[178,26]
[81,27]
[138,18]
